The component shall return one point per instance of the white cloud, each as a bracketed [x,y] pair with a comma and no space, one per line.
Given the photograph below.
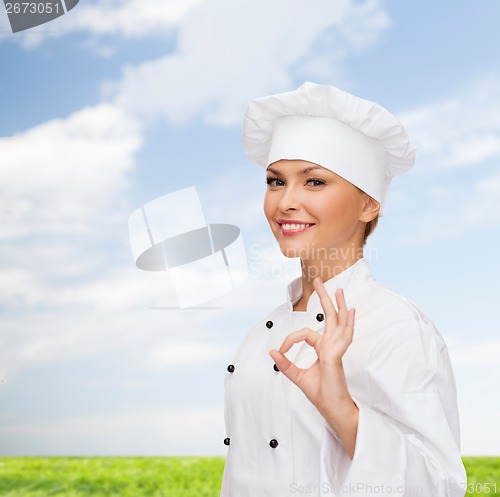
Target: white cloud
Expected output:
[478,372]
[59,175]
[4,24]
[229,52]
[147,336]
[462,130]
[481,355]
[490,185]
[430,208]
[170,354]
[167,431]
[63,186]
[126,311]
[111,289]
[131,19]
[477,427]
[119,289]
[128,18]
[482,209]
[455,185]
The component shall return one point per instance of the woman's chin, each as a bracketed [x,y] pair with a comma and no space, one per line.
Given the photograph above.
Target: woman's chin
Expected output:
[290,253]
[295,252]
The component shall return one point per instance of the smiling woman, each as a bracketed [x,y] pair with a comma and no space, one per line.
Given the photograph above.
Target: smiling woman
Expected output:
[347,388]
[334,211]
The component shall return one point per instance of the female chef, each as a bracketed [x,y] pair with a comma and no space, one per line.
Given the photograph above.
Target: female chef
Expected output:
[347,388]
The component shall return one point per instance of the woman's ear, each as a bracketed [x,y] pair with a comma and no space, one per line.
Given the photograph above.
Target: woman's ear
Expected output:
[371,209]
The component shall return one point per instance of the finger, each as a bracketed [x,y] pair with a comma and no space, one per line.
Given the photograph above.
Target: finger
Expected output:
[342,307]
[288,368]
[350,318]
[311,337]
[350,325]
[325,300]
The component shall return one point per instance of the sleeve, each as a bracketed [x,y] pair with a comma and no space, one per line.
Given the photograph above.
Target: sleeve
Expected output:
[407,442]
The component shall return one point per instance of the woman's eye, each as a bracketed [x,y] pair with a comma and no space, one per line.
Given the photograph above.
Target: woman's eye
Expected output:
[274,182]
[315,182]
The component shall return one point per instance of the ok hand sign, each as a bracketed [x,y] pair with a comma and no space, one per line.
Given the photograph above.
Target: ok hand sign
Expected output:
[324,383]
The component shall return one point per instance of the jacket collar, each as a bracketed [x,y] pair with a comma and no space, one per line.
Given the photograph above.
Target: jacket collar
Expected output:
[351,280]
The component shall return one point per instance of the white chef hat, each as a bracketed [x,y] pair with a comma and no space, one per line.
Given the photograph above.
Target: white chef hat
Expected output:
[355,138]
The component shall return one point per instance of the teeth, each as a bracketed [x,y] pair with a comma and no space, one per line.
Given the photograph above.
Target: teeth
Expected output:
[293,226]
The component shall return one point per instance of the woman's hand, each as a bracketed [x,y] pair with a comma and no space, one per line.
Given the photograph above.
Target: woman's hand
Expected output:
[324,383]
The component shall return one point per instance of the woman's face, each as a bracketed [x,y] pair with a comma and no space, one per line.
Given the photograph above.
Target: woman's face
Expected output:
[313,212]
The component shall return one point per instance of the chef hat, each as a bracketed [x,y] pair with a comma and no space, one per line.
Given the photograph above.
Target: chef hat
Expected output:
[355,138]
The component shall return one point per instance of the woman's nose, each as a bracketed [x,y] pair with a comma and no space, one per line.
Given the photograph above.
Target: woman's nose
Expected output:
[289,199]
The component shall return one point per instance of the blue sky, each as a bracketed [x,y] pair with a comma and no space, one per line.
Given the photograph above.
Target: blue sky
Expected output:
[120,102]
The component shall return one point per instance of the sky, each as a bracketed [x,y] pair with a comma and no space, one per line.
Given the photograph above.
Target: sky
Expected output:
[120,102]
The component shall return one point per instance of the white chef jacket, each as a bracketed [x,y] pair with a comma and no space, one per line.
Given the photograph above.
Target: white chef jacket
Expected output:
[398,373]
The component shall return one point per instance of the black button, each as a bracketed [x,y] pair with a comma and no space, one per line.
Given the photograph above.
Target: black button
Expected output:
[276,368]
[269,324]
[320,317]
[230,368]
[273,443]
[227,441]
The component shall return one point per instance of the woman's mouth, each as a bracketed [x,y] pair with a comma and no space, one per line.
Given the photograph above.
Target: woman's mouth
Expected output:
[294,228]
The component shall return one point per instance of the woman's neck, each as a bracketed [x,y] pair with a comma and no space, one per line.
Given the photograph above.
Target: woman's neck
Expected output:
[325,269]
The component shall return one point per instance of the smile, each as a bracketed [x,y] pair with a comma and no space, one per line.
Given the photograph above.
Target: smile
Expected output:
[294,228]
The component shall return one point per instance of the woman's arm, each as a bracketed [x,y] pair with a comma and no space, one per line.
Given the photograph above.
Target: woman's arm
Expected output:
[402,437]
[324,382]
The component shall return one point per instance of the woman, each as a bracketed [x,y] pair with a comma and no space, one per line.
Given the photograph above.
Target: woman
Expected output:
[347,388]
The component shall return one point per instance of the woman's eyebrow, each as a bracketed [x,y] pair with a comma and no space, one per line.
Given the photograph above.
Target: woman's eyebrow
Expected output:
[299,173]
[308,170]
[271,170]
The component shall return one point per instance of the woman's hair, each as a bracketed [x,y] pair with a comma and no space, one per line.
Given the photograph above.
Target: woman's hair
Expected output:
[369,228]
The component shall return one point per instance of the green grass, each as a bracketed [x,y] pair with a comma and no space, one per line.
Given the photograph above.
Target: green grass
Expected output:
[110,476]
[158,476]
[483,476]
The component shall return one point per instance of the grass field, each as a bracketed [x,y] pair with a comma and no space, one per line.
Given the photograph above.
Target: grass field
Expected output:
[158,476]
